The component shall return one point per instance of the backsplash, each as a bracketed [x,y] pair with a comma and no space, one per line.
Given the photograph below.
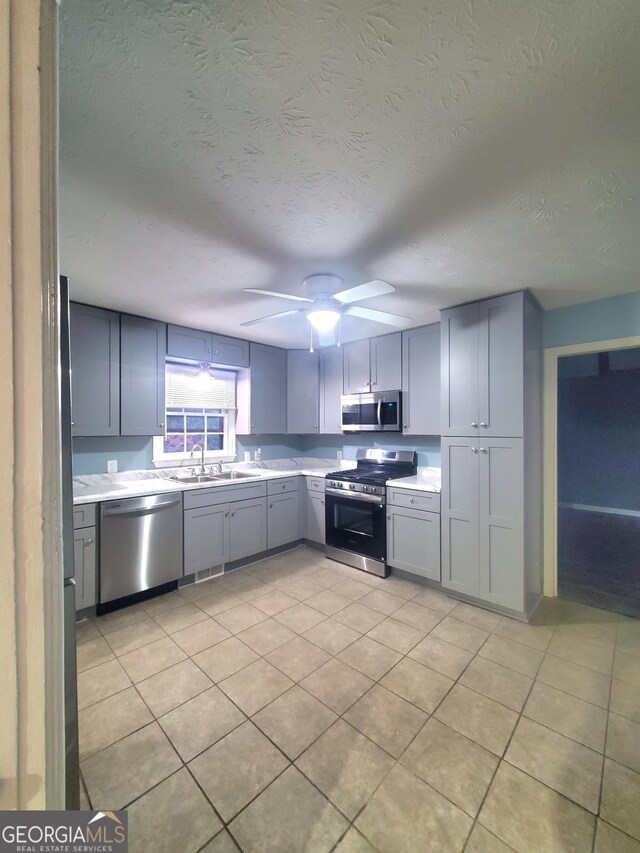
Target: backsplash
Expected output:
[327,446]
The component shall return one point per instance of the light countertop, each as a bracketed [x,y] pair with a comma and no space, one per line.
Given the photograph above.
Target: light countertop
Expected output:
[426,480]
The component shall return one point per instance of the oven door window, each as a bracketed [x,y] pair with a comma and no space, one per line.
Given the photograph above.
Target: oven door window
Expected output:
[356,526]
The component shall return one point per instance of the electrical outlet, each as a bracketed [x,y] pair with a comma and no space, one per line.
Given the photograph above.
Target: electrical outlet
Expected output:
[258,454]
[339,456]
[112,466]
[247,456]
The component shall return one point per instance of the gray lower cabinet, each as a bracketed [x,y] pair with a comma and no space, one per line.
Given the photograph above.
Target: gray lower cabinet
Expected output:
[421,381]
[331,380]
[315,517]
[482,519]
[84,563]
[206,538]
[143,349]
[413,541]
[247,528]
[262,392]
[95,371]
[283,519]
[302,392]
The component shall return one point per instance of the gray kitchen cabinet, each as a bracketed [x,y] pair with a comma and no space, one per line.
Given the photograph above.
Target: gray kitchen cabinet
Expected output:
[373,365]
[302,392]
[206,538]
[482,351]
[247,528]
[357,367]
[386,362]
[95,371]
[330,390]
[84,564]
[262,392]
[413,541]
[143,345]
[207,346]
[283,525]
[421,381]
[482,519]
[315,517]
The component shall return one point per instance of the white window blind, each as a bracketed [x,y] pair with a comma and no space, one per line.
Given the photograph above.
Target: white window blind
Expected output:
[188,386]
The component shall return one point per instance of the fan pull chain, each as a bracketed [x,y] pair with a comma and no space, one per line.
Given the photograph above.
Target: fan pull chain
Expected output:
[340,330]
[310,338]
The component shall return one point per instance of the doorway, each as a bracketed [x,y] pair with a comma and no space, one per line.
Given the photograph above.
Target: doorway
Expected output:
[598,487]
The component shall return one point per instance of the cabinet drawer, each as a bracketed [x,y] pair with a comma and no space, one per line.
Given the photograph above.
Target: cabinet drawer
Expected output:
[278,487]
[413,499]
[315,484]
[212,497]
[84,516]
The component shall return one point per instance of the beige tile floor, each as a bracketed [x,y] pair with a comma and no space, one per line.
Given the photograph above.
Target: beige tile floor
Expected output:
[299,705]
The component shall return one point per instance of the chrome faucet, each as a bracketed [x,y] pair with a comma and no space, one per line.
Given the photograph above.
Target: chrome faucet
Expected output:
[201,449]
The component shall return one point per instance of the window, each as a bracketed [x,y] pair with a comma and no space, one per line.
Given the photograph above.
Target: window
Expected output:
[199,412]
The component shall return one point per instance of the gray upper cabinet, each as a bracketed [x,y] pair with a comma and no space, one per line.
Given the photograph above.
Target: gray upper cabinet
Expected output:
[262,392]
[386,361]
[357,378]
[330,390]
[95,371]
[373,365]
[482,348]
[421,381]
[142,357]
[302,392]
[207,346]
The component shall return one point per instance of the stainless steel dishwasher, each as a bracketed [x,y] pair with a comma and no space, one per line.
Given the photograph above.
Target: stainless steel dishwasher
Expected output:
[140,544]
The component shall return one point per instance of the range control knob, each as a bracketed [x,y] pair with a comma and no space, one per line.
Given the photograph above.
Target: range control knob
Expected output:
[352,486]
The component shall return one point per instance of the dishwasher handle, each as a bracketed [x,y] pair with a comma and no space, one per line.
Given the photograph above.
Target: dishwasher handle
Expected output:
[139,505]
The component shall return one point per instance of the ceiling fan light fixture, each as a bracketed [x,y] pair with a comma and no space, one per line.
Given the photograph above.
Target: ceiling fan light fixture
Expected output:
[323,319]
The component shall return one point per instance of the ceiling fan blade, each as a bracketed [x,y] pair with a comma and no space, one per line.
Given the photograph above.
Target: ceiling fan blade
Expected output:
[377,287]
[378,316]
[276,293]
[273,316]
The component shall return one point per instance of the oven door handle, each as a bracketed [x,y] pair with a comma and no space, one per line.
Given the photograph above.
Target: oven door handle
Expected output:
[358,496]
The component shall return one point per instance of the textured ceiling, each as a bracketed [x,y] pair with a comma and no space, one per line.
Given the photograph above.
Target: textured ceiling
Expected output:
[455,148]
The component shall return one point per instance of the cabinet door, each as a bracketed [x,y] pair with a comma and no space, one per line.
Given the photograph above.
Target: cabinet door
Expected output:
[459,515]
[206,538]
[501,522]
[413,541]
[386,362]
[302,392]
[247,528]
[283,520]
[143,345]
[501,360]
[230,351]
[421,381]
[460,370]
[189,343]
[357,377]
[268,390]
[330,390]
[84,565]
[95,371]
[315,529]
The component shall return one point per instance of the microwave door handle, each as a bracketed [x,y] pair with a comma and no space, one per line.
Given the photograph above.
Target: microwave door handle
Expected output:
[379,413]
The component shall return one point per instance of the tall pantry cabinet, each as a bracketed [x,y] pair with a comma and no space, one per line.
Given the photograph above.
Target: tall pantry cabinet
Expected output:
[491,510]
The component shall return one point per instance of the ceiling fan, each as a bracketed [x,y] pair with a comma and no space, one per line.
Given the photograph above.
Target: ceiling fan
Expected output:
[327,304]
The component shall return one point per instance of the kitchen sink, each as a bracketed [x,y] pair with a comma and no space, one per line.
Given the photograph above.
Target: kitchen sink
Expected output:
[196,478]
[233,475]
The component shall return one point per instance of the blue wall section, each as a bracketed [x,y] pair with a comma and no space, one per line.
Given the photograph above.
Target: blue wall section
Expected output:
[327,446]
[132,454]
[272,446]
[600,320]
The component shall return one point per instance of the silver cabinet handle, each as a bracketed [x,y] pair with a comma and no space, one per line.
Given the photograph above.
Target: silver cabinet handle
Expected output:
[226,515]
[252,426]
[474,449]
[411,501]
[215,352]
[388,518]
[485,426]
[483,450]
[474,424]
[88,541]
[322,503]
[162,424]
[270,506]
[404,426]
[233,515]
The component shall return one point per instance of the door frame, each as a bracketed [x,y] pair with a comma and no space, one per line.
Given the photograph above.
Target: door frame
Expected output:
[550,446]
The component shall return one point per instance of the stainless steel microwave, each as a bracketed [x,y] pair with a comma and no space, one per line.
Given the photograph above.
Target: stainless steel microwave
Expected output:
[378,411]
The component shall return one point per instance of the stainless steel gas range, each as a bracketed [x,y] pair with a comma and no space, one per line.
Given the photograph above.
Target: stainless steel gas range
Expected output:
[355,508]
